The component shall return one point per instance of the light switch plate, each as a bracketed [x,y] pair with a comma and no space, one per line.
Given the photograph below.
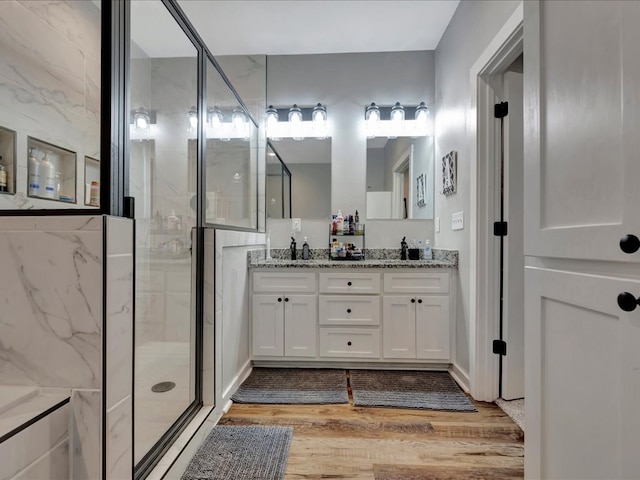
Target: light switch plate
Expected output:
[296,224]
[457,221]
[437,224]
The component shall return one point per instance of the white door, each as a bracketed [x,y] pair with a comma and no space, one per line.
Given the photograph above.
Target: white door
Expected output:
[513,276]
[300,325]
[432,327]
[399,326]
[267,325]
[582,194]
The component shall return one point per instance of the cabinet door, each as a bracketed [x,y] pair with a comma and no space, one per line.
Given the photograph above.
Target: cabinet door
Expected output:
[267,326]
[432,327]
[399,327]
[300,324]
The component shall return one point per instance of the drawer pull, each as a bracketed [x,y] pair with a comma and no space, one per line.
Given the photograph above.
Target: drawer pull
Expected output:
[348,310]
[349,344]
[413,300]
[349,284]
[420,300]
[279,299]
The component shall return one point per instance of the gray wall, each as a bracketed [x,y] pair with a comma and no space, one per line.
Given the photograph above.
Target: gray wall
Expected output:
[346,83]
[309,182]
[473,26]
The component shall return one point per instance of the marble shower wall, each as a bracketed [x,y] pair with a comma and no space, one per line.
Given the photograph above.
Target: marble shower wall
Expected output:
[52,326]
[50,83]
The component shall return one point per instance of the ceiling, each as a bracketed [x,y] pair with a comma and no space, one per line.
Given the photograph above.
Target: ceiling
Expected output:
[288,27]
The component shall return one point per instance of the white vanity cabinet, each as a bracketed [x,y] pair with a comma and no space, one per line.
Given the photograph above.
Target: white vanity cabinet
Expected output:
[284,323]
[375,315]
[416,324]
[349,315]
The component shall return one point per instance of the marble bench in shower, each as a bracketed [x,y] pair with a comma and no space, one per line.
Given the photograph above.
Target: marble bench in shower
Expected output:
[34,433]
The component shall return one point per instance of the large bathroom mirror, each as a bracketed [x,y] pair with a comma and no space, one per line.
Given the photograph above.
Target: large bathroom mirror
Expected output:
[309,164]
[278,185]
[400,178]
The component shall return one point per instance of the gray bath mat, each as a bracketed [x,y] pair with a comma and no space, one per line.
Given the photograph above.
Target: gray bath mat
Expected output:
[293,385]
[239,453]
[411,389]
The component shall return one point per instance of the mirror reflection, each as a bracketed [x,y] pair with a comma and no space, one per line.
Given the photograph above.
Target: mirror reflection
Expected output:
[400,178]
[278,188]
[309,164]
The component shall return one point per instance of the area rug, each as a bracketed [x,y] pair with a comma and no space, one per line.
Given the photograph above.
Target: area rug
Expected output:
[293,386]
[247,452]
[408,389]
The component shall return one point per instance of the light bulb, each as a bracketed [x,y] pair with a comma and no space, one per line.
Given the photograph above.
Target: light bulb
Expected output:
[372,119]
[295,119]
[319,117]
[422,115]
[214,116]
[397,113]
[238,118]
[237,178]
[193,118]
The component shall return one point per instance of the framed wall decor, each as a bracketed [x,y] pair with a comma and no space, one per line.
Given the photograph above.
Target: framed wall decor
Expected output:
[449,162]
[420,190]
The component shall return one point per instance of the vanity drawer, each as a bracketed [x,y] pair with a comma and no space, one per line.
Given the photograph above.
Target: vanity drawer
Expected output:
[349,310]
[284,282]
[349,282]
[350,342]
[423,282]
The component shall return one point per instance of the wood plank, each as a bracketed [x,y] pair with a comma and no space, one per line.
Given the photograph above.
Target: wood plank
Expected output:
[359,443]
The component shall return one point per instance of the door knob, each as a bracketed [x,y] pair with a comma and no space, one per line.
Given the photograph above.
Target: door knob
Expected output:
[286,299]
[413,300]
[348,310]
[420,300]
[629,244]
[628,302]
[349,283]
[349,343]
[279,299]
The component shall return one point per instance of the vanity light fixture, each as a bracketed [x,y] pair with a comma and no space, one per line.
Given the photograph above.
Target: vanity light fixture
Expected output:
[295,121]
[397,120]
[193,118]
[141,119]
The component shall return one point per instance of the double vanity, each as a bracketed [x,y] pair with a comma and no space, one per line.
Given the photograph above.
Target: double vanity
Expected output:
[378,311]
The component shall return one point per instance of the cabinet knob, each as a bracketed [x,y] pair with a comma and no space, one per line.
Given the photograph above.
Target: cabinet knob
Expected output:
[279,299]
[629,244]
[413,300]
[419,300]
[286,299]
[349,343]
[349,283]
[628,302]
[348,310]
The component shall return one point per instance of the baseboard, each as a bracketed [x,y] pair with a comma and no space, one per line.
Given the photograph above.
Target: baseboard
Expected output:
[461,377]
[347,365]
[237,381]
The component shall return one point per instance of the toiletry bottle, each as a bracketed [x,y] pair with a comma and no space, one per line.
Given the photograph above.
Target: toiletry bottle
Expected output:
[3,177]
[34,174]
[172,221]
[268,246]
[58,185]
[428,253]
[47,177]
[305,250]
[292,247]
[339,223]
[357,219]
[94,194]
[403,249]
[352,225]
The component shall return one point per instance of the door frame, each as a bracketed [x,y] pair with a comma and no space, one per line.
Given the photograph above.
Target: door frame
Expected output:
[505,47]
[404,163]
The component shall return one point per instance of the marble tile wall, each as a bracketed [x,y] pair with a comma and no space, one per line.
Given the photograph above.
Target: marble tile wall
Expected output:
[50,82]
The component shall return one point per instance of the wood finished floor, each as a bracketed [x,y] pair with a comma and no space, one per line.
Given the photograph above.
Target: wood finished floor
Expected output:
[343,441]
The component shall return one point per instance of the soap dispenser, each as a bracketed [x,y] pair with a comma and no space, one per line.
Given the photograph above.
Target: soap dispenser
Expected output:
[305,250]
[403,249]
[292,247]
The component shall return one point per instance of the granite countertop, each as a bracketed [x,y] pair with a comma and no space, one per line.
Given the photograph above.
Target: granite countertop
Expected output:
[376,258]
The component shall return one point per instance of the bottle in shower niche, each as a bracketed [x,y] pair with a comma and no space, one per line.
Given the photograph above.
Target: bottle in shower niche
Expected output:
[94,194]
[34,174]
[3,176]
[47,177]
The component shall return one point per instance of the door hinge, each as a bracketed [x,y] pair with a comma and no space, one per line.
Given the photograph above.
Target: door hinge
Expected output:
[501,110]
[500,347]
[500,229]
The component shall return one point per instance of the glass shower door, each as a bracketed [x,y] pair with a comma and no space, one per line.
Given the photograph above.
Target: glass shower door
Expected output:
[163,92]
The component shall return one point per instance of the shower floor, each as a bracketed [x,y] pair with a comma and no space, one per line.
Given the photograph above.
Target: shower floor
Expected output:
[155,412]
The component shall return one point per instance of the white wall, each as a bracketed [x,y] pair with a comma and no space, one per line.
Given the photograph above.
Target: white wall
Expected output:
[346,83]
[472,27]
